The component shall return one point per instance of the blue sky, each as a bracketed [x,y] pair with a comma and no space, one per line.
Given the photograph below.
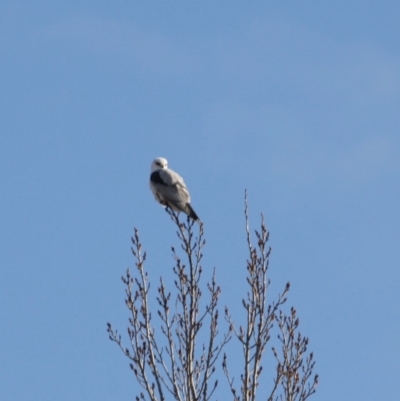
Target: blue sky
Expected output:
[296,101]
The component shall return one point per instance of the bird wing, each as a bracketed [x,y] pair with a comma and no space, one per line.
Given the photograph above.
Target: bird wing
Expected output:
[170,186]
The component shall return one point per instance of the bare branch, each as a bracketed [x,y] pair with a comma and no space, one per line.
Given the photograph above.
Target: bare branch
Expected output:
[177,361]
[177,353]
[254,336]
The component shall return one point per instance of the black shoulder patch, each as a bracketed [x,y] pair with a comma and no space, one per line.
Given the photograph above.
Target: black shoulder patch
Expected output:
[155,178]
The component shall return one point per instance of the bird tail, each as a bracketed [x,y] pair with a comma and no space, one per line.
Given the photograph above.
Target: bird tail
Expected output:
[191,213]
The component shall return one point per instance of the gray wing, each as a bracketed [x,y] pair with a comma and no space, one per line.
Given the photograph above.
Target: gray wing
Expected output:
[169,187]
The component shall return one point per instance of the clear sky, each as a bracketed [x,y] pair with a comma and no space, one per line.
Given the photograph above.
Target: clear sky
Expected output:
[299,102]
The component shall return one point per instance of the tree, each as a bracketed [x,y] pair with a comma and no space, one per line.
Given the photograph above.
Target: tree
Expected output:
[178,353]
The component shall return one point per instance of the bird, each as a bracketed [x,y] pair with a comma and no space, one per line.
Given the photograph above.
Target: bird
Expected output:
[169,189]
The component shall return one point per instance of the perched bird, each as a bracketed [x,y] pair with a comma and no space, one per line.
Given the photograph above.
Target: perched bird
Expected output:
[169,189]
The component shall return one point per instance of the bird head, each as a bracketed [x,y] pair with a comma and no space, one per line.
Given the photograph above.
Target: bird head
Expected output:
[159,164]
